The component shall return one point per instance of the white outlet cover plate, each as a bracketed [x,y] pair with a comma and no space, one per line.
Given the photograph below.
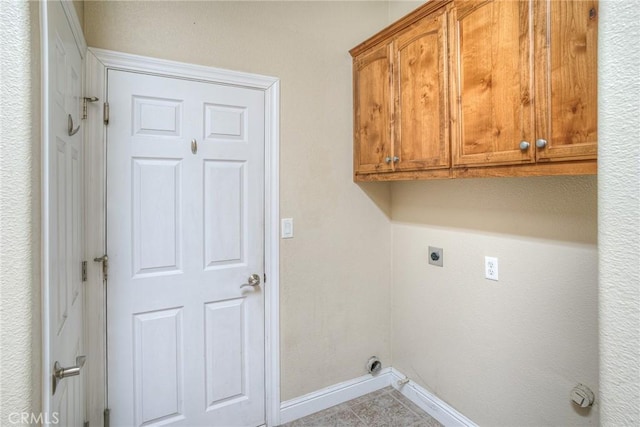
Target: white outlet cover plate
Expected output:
[491,268]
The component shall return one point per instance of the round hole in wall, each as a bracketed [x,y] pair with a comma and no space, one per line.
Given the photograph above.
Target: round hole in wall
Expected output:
[374,365]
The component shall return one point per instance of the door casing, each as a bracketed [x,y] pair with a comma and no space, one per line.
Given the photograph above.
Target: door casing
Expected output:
[98,61]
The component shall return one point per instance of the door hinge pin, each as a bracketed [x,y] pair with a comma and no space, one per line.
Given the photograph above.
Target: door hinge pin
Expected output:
[104,259]
[84,271]
[106,113]
[106,417]
[85,100]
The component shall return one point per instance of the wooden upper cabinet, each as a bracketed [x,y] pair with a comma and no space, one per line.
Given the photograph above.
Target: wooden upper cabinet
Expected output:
[566,79]
[372,115]
[474,88]
[492,83]
[421,107]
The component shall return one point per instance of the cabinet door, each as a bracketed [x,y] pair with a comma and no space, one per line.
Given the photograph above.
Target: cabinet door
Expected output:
[421,116]
[372,102]
[491,82]
[566,79]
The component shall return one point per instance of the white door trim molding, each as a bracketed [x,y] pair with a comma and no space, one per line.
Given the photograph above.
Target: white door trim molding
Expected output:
[76,28]
[105,60]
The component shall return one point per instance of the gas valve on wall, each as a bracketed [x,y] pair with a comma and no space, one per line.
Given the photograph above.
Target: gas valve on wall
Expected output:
[582,396]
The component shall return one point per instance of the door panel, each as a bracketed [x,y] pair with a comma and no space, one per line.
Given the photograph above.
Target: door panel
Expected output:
[185,217]
[492,82]
[372,102]
[567,79]
[422,131]
[63,209]
[156,187]
[224,205]
[158,361]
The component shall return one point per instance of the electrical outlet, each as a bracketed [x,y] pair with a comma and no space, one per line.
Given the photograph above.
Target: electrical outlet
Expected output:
[491,268]
[436,256]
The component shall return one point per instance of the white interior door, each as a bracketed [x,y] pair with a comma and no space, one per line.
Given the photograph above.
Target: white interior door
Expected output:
[185,191]
[63,177]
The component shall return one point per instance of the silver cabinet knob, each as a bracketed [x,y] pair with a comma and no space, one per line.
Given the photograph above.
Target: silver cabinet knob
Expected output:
[254,280]
[396,159]
[524,145]
[60,373]
[387,159]
[541,143]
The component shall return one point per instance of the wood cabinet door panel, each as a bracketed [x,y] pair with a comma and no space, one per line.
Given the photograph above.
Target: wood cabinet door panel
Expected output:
[372,102]
[491,82]
[566,78]
[422,131]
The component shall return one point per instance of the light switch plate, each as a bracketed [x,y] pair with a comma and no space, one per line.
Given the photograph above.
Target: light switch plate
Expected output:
[286,228]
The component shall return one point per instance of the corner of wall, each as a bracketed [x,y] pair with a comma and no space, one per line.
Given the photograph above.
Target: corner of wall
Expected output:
[36,193]
[18,304]
[619,212]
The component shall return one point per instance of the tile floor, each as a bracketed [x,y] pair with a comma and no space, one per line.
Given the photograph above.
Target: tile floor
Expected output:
[386,407]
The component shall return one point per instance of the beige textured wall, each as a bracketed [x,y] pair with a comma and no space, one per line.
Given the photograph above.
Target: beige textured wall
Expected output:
[506,352]
[335,272]
[399,8]
[619,219]
[79,7]
[20,382]
[498,352]
[618,235]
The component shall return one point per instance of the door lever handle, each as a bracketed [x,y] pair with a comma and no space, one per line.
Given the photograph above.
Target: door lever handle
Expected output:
[60,373]
[254,280]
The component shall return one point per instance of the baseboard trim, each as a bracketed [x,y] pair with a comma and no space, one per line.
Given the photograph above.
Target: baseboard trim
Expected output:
[316,401]
[429,403]
[311,403]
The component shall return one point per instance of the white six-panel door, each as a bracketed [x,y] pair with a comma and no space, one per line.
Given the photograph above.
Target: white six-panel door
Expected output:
[63,178]
[185,212]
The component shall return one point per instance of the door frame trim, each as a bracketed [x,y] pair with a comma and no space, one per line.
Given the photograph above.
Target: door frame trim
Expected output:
[97,64]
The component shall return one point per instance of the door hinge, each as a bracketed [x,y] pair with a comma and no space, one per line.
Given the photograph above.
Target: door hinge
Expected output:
[86,424]
[106,417]
[105,113]
[265,278]
[86,100]
[84,271]
[104,259]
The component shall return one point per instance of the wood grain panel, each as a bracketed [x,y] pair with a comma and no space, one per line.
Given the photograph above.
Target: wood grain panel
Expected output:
[421,134]
[372,103]
[566,79]
[492,82]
